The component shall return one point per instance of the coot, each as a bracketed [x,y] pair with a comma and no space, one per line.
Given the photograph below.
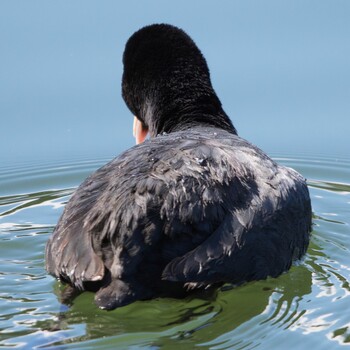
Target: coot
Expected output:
[193,206]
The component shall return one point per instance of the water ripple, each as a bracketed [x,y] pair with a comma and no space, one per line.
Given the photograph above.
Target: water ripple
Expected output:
[302,308]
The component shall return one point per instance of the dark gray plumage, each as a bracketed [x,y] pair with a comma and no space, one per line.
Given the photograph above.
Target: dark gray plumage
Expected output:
[196,205]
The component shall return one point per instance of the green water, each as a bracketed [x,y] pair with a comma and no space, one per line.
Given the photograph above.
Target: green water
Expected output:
[308,306]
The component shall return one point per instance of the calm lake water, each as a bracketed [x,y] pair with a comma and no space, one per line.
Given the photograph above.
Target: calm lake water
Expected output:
[308,306]
[281,70]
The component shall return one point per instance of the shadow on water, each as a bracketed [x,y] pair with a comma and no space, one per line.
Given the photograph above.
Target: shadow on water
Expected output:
[225,319]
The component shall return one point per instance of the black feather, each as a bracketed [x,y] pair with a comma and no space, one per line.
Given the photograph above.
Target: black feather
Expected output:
[195,205]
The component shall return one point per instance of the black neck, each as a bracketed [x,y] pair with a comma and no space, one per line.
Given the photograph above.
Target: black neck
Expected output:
[170,112]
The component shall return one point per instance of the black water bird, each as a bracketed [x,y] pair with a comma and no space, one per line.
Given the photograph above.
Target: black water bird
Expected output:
[191,207]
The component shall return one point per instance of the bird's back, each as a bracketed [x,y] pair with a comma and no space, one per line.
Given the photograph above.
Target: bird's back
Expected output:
[195,207]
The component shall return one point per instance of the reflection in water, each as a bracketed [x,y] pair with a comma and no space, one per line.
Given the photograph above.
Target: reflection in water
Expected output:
[304,307]
[12,204]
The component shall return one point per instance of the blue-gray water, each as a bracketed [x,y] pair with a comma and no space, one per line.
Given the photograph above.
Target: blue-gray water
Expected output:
[281,69]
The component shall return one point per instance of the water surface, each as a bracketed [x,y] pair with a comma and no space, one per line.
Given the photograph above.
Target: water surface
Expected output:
[281,70]
[308,306]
